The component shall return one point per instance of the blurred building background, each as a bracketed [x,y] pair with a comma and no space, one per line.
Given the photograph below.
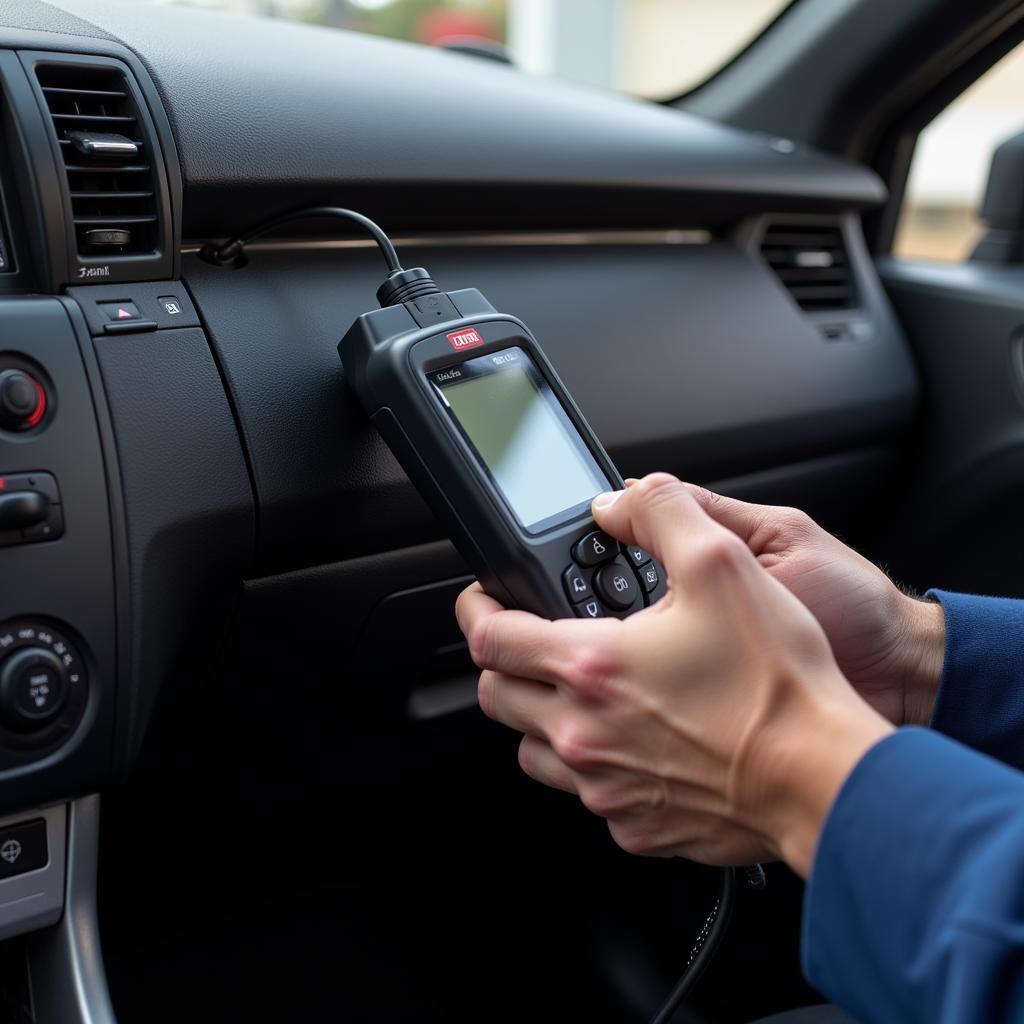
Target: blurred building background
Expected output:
[654,48]
[660,49]
[950,167]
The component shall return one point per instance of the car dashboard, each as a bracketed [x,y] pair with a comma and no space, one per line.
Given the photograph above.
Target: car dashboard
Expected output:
[198,525]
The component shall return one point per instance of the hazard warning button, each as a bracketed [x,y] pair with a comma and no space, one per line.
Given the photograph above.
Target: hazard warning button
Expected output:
[120,311]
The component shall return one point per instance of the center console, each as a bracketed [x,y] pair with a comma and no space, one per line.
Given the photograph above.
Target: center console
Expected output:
[95,333]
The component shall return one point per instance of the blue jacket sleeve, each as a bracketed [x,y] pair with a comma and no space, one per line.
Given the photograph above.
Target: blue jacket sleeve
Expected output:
[981,694]
[915,907]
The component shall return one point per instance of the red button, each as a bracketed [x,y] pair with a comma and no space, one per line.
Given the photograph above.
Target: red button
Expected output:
[22,400]
[40,410]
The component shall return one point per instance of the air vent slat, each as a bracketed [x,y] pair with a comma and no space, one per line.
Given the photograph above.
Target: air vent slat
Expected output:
[94,118]
[790,238]
[111,221]
[94,114]
[798,276]
[819,293]
[100,169]
[53,90]
[111,195]
[812,264]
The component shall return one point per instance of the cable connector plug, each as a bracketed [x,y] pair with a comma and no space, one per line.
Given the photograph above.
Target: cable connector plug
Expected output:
[405,285]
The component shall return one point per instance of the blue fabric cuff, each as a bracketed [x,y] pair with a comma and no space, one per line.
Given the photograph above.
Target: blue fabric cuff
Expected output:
[981,693]
[915,898]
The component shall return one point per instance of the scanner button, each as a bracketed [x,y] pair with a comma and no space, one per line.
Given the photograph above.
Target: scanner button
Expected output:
[595,548]
[576,586]
[637,555]
[649,577]
[589,609]
[616,585]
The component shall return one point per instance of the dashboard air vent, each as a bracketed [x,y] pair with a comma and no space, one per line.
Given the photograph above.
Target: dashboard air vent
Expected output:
[812,263]
[108,160]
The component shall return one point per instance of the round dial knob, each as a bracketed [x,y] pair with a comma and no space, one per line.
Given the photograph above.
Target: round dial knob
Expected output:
[22,400]
[33,688]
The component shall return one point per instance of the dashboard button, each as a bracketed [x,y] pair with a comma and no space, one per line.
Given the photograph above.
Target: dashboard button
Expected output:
[576,586]
[44,483]
[22,400]
[23,848]
[22,509]
[595,548]
[589,610]
[51,528]
[616,585]
[120,311]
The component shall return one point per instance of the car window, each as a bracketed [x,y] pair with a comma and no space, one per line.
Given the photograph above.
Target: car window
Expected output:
[939,220]
[652,48]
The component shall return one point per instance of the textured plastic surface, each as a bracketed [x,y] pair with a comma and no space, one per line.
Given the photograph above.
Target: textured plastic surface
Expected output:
[688,359]
[189,508]
[351,120]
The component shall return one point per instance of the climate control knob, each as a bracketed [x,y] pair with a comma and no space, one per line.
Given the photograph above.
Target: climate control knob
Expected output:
[33,688]
[43,687]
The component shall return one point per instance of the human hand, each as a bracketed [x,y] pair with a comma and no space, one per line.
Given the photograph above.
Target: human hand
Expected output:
[888,644]
[714,725]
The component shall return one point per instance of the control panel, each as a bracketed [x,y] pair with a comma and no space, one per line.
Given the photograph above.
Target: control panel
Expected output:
[57,627]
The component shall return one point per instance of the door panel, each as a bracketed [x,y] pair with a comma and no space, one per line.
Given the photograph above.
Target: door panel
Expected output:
[958,521]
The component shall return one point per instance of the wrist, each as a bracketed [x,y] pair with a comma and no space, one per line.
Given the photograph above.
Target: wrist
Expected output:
[806,770]
[924,644]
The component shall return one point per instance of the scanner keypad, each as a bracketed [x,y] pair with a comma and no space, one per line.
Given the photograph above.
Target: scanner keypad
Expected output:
[606,577]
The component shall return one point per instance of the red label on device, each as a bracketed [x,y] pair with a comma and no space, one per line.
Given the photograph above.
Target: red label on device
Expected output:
[468,338]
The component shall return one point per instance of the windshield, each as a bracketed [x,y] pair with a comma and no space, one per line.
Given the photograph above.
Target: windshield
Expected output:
[652,48]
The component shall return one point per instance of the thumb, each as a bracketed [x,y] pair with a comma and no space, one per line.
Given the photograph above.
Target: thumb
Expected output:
[658,513]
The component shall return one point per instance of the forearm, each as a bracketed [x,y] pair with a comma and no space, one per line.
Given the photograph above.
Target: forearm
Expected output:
[808,765]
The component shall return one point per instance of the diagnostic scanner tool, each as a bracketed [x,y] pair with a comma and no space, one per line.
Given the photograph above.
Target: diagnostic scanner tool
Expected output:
[476,415]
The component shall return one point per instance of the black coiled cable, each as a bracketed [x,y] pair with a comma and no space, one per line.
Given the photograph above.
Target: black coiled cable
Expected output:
[708,940]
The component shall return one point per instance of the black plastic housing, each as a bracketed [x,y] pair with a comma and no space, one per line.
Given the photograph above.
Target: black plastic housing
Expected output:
[387,356]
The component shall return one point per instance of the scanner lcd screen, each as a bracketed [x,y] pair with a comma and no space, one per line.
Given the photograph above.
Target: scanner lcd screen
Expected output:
[523,436]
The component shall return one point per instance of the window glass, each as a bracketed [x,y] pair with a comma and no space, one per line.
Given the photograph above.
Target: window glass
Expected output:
[939,220]
[652,48]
